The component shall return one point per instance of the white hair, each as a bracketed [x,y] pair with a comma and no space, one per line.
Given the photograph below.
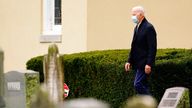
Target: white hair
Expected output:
[139,9]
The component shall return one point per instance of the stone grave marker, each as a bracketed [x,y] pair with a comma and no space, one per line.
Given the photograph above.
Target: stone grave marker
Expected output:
[19,88]
[176,97]
[53,74]
[2,102]
[1,73]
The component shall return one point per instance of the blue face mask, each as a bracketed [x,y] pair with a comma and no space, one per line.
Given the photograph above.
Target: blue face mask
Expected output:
[134,19]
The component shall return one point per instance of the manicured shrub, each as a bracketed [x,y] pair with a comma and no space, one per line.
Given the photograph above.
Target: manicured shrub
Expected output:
[100,74]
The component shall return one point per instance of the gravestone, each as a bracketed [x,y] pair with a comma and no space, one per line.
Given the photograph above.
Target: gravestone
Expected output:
[2,102]
[20,87]
[176,97]
[1,74]
[53,74]
[51,93]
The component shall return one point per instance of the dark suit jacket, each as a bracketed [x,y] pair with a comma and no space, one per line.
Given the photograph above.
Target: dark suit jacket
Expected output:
[144,46]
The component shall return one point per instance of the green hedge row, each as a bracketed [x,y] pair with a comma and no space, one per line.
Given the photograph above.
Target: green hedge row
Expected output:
[100,74]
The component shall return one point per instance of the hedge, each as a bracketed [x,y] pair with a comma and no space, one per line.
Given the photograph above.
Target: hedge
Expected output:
[100,74]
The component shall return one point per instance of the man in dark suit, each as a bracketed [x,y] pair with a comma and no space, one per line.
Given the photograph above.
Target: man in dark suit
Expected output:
[143,50]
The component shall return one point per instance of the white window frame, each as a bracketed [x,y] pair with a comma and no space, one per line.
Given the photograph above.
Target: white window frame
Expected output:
[51,32]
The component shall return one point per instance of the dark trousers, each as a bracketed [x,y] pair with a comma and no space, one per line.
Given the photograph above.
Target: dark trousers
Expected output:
[141,82]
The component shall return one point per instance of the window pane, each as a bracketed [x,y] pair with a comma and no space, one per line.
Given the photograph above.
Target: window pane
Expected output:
[57,12]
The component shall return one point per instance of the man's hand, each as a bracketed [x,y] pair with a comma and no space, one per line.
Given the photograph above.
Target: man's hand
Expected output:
[147,69]
[127,67]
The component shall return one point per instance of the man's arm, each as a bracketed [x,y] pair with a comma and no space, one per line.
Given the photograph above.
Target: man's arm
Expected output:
[128,64]
[152,45]
[130,56]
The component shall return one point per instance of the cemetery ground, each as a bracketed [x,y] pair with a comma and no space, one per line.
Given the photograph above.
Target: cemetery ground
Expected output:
[100,74]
